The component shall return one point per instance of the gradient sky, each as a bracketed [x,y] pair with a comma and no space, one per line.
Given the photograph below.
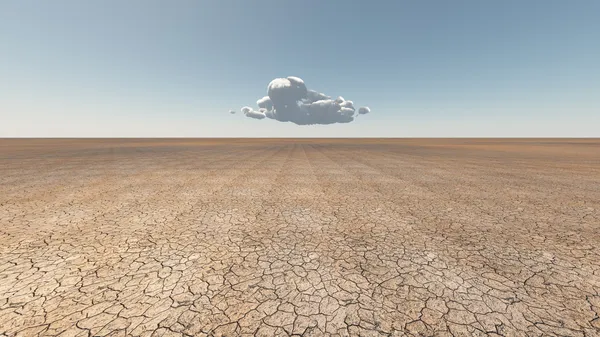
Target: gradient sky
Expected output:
[148,68]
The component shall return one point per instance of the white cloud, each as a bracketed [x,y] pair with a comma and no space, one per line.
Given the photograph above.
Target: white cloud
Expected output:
[249,112]
[289,100]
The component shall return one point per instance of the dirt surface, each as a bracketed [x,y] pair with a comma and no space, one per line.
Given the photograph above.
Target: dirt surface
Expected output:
[277,237]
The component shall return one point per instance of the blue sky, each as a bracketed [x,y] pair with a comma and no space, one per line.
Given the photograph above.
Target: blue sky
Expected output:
[175,68]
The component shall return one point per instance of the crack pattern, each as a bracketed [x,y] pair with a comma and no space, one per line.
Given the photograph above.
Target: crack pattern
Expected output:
[299,238]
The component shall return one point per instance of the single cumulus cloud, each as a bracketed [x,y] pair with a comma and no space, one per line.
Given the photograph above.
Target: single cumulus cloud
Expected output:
[289,100]
[232,112]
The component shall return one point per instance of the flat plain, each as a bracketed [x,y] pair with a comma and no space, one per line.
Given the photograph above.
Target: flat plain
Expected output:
[306,237]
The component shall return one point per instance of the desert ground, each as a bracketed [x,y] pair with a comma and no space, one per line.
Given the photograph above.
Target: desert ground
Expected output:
[305,237]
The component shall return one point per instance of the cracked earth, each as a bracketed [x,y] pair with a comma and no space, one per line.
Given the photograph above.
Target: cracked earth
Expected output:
[299,237]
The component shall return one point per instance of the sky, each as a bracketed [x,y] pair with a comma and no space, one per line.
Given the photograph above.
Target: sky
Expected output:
[149,68]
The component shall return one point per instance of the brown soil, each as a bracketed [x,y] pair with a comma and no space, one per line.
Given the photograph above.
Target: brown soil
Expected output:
[312,237]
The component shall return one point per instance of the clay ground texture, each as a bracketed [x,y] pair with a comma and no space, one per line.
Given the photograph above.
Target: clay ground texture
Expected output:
[311,237]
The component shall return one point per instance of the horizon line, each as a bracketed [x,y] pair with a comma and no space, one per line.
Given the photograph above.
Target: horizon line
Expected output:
[442,137]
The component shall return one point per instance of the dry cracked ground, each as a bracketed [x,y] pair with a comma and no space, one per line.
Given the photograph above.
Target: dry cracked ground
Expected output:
[238,237]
